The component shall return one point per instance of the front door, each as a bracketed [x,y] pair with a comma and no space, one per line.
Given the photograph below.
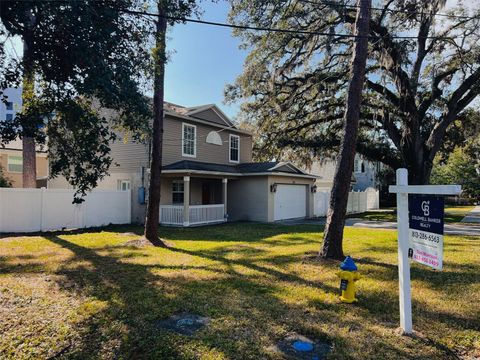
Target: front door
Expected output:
[205,193]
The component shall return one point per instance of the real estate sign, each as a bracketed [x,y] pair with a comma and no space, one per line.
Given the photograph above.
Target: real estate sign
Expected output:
[420,233]
[426,213]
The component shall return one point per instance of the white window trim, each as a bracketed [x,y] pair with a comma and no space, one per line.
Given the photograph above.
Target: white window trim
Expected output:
[194,140]
[230,148]
[178,192]
[8,164]
[124,181]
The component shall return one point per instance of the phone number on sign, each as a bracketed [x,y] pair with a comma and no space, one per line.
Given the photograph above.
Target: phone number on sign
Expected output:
[425,260]
[422,236]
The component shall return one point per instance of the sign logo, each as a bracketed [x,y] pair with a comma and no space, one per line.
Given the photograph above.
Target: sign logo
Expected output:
[426,229]
[426,208]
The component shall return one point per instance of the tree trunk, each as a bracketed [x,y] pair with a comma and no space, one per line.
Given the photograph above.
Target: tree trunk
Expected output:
[29,175]
[333,237]
[417,160]
[153,206]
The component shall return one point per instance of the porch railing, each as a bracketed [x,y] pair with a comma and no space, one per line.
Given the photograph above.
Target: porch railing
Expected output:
[206,214]
[171,215]
[198,214]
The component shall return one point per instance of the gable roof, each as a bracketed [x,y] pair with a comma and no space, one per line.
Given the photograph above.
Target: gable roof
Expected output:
[245,169]
[217,115]
[209,114]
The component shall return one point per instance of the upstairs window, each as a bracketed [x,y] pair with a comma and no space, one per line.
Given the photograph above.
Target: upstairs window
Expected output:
[9,105]
[189,140]
[234,148]
[15,164]
[177,192]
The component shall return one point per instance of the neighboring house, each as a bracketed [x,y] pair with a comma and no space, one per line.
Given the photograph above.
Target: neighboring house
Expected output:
[11,162]
[208,175]
[11,159]
[364,173]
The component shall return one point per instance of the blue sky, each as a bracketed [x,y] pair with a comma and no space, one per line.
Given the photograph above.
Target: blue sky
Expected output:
[205,59]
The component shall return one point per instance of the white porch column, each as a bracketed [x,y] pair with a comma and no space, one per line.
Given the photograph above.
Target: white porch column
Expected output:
[224,196]
[186,201]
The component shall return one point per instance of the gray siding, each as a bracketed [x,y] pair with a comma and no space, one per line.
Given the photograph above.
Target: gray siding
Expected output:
[248,199]
[219,154]
[128,156]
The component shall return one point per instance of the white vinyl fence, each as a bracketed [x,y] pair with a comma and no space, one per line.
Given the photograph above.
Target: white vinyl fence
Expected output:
[358,202]
[29,210]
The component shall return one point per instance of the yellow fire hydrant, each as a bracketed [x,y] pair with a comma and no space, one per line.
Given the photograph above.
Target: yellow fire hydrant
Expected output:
[348,276]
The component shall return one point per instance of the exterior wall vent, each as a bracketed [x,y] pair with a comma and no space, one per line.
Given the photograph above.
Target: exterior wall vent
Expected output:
[214,138]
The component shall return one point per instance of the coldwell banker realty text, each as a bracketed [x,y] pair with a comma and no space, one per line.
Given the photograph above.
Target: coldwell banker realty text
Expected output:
[426,229]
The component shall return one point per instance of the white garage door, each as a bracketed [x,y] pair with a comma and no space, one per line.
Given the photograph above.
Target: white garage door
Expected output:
[290,202]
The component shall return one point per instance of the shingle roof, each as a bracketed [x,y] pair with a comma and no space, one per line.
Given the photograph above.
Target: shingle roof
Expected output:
[245,168]
[200,166]
[261,167]
[191,112]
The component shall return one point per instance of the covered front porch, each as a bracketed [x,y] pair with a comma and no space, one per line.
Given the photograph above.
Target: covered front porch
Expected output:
[193,201]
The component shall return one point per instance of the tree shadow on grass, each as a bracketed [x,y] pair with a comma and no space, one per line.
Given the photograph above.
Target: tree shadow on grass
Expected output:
[218,255]
[245,306]
[137,296]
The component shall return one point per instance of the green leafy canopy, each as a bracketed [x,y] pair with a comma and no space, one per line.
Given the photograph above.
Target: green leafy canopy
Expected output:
[294,84]
[81,50]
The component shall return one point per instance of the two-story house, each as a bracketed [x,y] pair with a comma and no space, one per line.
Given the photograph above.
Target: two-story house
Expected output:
[208,175]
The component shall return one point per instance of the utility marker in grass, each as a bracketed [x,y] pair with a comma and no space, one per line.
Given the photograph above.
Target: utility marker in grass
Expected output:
[420,233]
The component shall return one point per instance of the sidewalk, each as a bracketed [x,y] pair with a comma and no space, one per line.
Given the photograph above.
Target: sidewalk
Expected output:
[449,229]
[473,216]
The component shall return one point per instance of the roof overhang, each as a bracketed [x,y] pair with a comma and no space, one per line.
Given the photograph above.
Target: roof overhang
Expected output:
[220,173]
[209,123]
[305,176]
[200,172]
[289,165]
[215,109]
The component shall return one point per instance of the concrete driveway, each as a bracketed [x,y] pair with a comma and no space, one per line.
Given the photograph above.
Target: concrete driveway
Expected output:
[450,229]
[473,216]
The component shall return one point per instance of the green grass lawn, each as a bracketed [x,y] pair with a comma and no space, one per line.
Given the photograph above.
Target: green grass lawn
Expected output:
[88,296]
[453,214]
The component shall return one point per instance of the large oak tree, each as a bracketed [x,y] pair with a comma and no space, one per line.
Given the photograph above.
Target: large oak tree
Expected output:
[423,72]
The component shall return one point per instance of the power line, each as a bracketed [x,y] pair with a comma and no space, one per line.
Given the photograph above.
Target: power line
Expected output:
[288,31]
[394,11]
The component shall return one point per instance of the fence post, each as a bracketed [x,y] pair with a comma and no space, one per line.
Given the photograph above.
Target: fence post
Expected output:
[83,211]
[42,209]
[327,202]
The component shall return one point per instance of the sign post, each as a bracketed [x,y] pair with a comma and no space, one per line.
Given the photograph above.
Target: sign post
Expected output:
[416,236]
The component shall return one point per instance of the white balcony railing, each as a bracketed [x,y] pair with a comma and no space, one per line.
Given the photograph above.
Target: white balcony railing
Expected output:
[198,214]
